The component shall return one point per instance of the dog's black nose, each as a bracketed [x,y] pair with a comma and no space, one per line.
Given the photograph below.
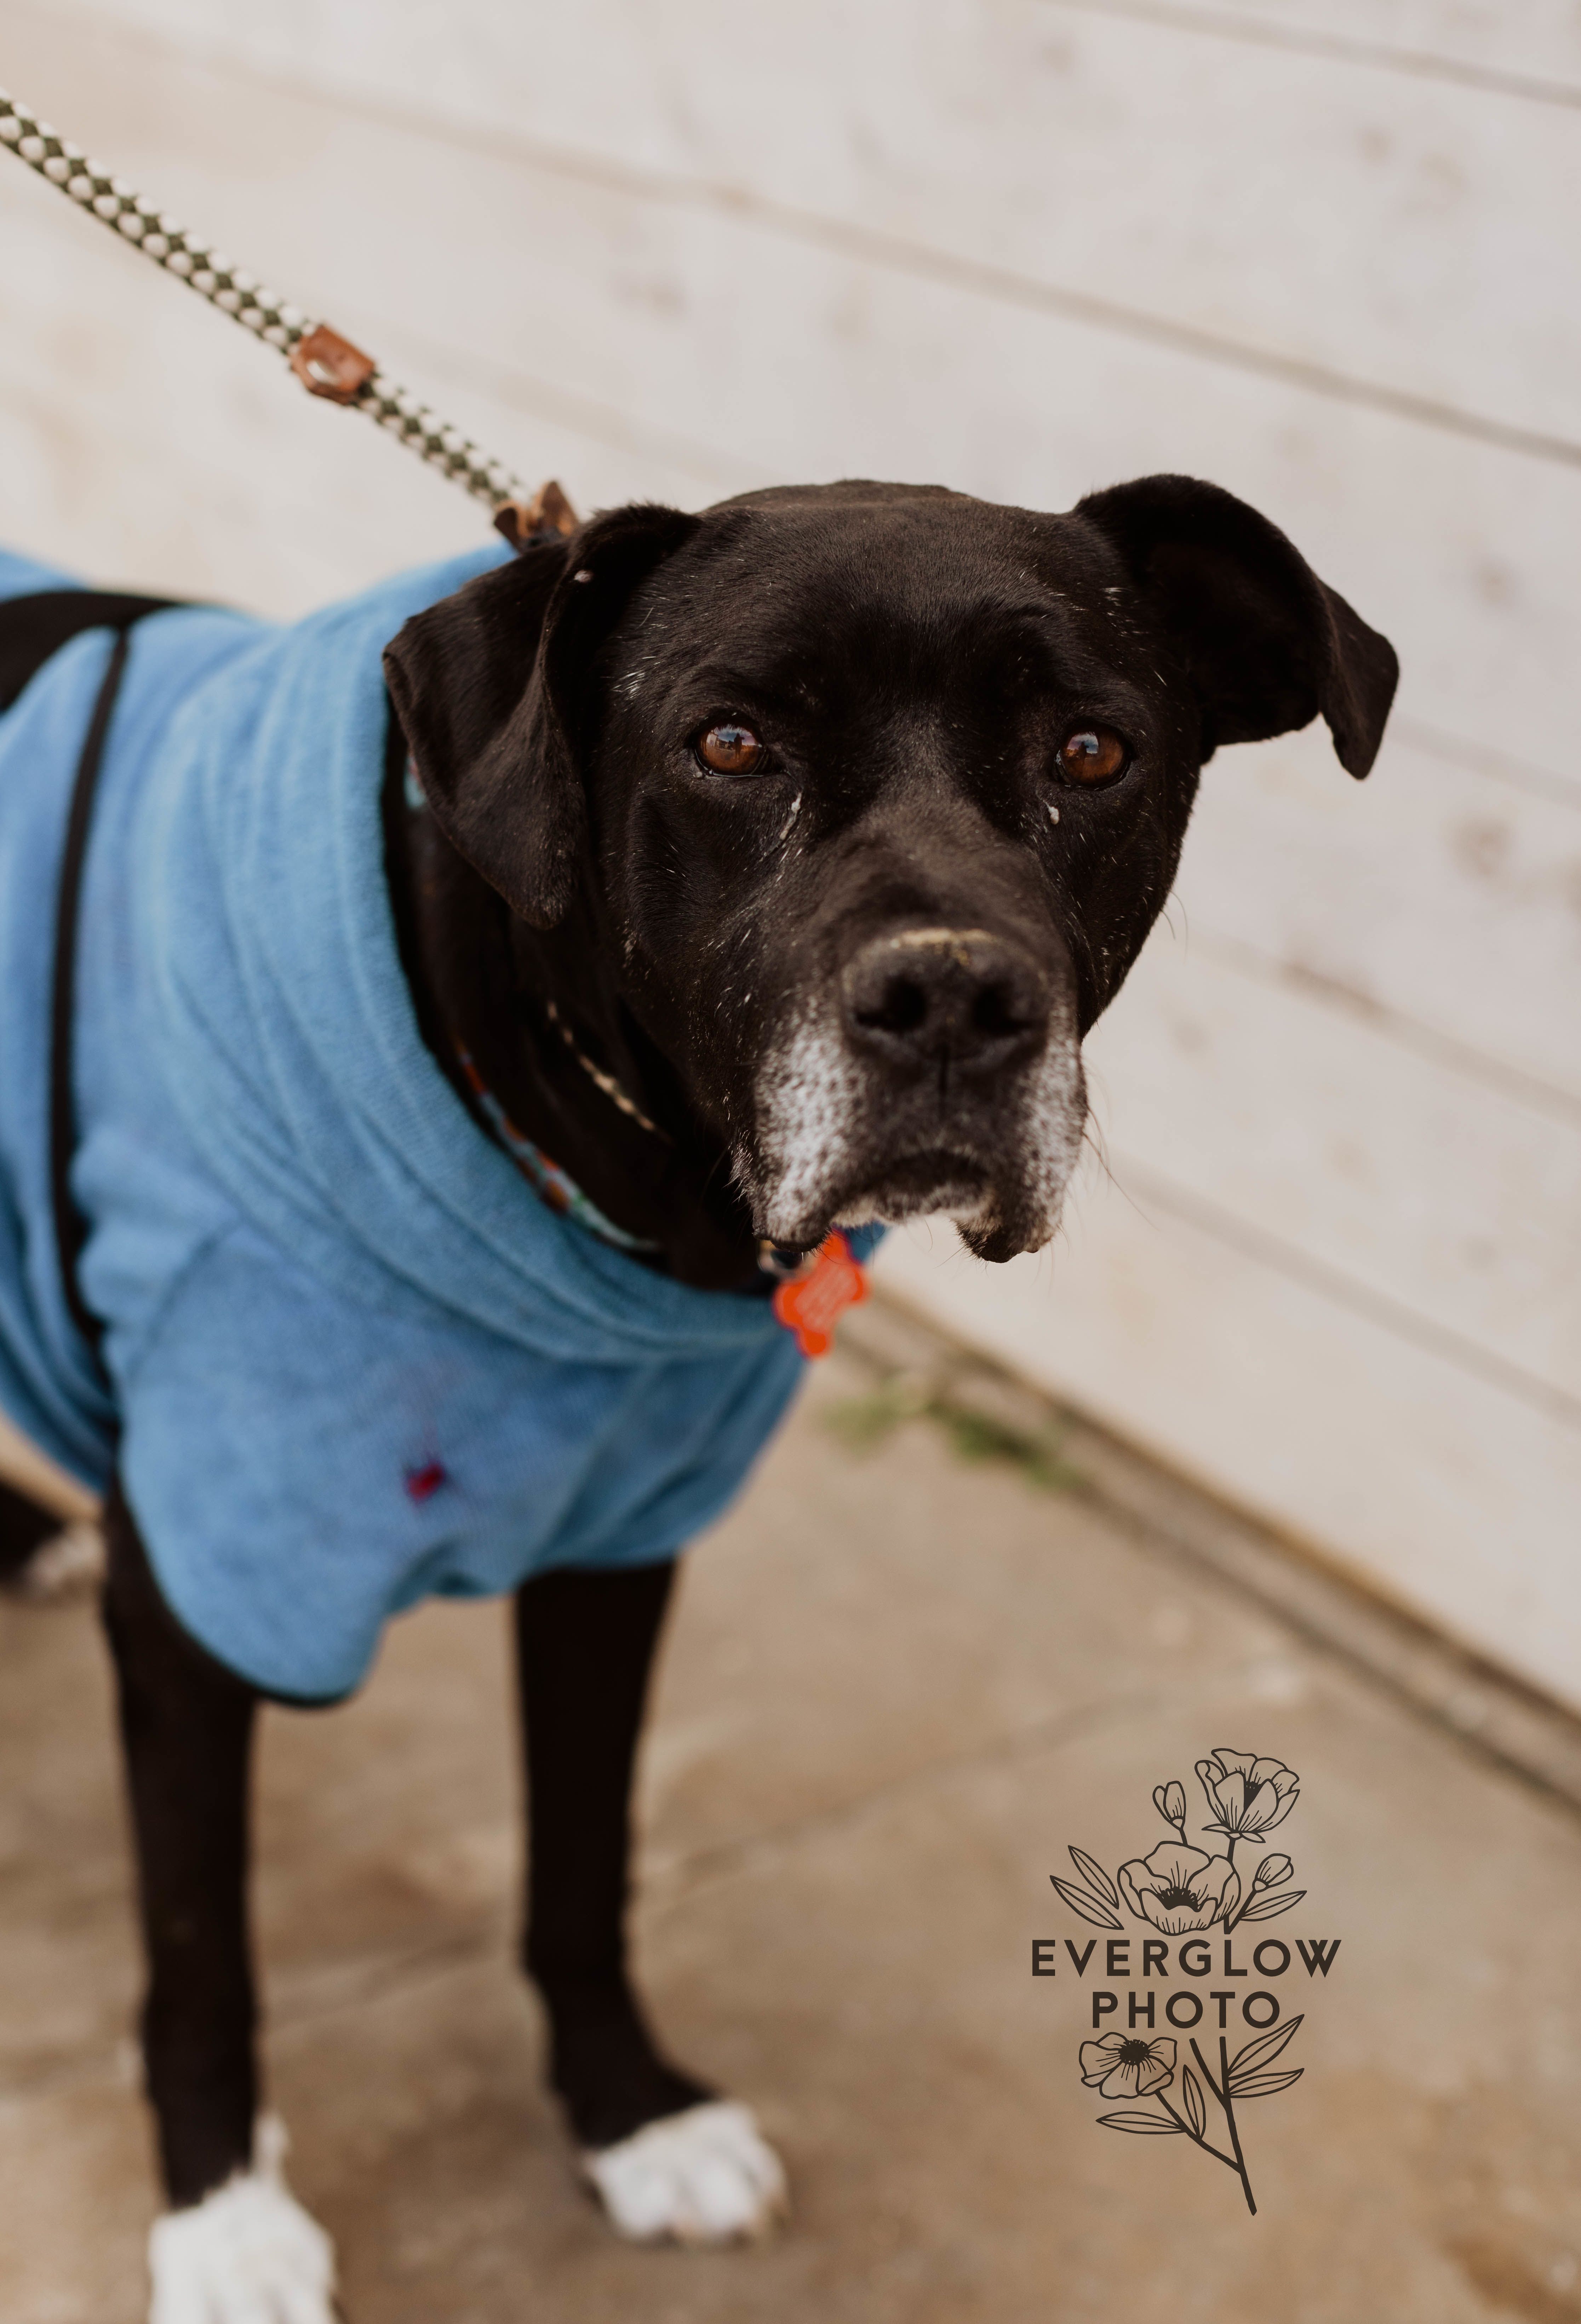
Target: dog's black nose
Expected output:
[945,997]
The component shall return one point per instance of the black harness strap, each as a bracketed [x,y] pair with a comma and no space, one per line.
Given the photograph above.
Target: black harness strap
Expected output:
[31,629]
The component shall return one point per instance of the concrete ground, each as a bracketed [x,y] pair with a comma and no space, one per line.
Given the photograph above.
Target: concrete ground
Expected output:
[899,1684]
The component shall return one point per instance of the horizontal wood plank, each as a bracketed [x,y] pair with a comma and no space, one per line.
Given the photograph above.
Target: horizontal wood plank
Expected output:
[1393,1174]
[1440,894]
[1541,39]
[1456,1502]
[455,52]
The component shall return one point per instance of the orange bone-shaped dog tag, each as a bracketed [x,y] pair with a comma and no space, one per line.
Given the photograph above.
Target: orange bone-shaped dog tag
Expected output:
[810,1305]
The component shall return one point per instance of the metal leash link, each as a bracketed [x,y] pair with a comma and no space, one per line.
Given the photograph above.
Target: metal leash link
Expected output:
[326,364]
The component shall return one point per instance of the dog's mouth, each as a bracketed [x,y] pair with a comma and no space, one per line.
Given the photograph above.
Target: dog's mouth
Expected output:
[936,1180]
[838,1143]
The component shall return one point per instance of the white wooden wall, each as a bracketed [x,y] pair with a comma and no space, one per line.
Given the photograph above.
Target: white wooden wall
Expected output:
[1324,252]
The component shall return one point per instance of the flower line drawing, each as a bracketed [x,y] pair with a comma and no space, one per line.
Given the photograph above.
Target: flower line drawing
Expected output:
[1117,2065]
[1182,1889]
[1249,1796]
[1178,1888]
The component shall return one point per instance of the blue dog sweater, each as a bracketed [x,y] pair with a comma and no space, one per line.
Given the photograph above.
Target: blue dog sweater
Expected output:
[353,1358]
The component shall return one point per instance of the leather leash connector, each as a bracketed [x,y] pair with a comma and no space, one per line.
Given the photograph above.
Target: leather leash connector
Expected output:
[548,511]
[330,367]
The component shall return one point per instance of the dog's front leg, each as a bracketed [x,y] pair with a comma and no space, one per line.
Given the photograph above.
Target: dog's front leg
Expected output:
[667,2155]
[235,2245]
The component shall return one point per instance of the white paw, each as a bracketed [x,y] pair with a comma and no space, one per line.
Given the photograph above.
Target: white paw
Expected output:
[70,1563]
[706,2176]
[248,2254]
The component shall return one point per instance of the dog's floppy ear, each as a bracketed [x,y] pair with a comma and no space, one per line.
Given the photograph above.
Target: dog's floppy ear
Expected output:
[493,690]
[1266,643]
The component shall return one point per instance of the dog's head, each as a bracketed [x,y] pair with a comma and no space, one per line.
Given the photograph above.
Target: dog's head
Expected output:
[873,793]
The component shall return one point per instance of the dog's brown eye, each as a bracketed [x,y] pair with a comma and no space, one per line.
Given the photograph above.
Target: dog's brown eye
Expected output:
[1093,754]
[730,749]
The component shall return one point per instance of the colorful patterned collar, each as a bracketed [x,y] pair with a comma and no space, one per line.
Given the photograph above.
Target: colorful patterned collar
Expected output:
[546,1177]
[552,1184]
[810,1289]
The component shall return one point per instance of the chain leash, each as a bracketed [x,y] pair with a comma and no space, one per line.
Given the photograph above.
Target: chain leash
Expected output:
[326,364]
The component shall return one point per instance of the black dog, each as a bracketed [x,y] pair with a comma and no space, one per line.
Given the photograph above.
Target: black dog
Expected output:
[765,867]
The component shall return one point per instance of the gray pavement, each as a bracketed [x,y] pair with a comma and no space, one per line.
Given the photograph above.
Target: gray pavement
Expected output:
[898,1683]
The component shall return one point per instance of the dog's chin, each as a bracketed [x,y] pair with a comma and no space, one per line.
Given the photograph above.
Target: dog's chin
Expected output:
[994,1222]
[918,1185]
